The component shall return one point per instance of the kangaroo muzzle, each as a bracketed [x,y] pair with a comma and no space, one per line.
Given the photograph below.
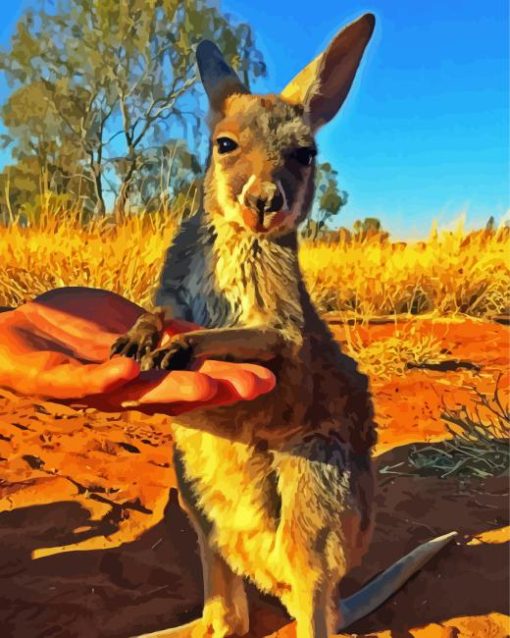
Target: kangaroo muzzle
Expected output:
[264,204]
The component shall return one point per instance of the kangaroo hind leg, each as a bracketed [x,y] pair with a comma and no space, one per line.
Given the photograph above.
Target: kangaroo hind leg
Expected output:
[225,603]
[311,604]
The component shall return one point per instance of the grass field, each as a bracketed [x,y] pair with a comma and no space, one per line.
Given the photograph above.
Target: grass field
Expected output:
[451,273]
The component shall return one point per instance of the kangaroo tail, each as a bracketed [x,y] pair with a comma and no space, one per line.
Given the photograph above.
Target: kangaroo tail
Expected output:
[377,591]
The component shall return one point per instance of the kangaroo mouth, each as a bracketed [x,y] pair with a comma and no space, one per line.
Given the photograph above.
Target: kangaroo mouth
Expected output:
[264,222]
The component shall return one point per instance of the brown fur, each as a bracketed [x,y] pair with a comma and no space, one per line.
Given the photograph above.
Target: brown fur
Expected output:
[283,484]
[279,489]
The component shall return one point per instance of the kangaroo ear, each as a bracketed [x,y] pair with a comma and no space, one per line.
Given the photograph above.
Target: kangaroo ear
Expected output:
[323,85]
[218,78]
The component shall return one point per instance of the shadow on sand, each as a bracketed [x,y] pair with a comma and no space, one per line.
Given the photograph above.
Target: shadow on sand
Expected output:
[155,582]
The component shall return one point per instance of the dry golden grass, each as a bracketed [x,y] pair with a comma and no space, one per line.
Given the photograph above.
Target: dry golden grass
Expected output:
[60,251]
[391,356]
[451,273]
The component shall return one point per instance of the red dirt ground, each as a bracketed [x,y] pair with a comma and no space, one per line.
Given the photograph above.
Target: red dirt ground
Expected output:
[93,544]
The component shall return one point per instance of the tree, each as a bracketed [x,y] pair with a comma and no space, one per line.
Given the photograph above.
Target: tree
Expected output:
[115,81]
[369,227]
[44,161]
[169,177]
[327,202]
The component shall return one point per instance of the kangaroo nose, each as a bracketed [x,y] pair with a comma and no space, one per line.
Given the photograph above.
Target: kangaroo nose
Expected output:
[266,200]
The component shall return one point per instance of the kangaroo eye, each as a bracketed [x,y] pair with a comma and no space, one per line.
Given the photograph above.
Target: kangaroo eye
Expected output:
[226,145]
[304,155]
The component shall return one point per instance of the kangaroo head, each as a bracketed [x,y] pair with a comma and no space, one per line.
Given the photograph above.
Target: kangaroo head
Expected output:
[262,161]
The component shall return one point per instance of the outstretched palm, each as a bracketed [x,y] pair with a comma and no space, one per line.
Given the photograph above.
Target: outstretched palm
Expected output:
[58,345]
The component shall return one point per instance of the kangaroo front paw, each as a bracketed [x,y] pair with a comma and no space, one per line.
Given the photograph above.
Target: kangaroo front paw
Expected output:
[135,344]
[143,337]
[177,355]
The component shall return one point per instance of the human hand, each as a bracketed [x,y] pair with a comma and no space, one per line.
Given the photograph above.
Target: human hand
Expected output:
[58,345]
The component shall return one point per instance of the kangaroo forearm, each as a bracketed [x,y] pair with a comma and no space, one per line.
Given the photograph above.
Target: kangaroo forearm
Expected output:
[240,344]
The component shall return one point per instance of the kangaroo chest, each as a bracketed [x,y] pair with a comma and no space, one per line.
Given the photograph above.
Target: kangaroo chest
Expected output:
[242,282]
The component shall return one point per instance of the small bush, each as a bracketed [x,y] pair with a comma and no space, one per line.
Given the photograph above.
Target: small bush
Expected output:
[479,443]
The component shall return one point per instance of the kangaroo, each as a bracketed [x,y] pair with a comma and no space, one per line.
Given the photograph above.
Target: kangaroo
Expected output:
[279,490]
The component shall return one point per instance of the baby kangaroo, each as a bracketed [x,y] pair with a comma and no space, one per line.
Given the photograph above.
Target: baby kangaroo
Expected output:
[279,489]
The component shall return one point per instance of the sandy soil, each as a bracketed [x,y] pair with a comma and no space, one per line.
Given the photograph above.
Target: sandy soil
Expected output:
[93,543]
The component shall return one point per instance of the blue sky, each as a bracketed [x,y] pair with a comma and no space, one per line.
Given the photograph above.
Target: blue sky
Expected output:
[424,134]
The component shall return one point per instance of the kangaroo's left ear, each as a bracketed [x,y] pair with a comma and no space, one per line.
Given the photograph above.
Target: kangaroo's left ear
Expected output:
[218,78]
[323,85]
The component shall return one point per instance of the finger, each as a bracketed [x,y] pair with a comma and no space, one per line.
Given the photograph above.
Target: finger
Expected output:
[248,380]
[160,387]
[57,376]
[235,382]
[107,376]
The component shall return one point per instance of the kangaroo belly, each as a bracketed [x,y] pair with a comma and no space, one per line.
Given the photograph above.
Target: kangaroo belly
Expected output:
[262,510]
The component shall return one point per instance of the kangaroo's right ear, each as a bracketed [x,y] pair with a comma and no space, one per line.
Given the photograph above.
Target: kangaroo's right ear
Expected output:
[218,78]
[323,85]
